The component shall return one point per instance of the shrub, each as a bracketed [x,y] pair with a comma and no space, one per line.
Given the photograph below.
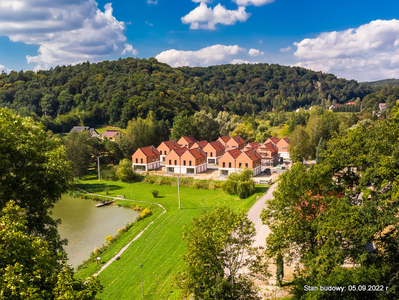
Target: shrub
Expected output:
[155,193]
[121,230]
[107,190]
[125,173]
[145,213]
[96,251]
[240,184]
[109,239]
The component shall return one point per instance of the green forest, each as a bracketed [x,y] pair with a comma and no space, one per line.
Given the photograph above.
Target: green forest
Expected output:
[115,92]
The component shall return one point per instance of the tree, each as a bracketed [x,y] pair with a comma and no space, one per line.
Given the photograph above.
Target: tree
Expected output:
[125,171]
[299,143]
[182,126]
[216,243]
[78,151]
[29,269]
[206,127]
[240,184]
[34,171]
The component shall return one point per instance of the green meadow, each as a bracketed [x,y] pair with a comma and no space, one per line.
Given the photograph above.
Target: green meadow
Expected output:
[160,247]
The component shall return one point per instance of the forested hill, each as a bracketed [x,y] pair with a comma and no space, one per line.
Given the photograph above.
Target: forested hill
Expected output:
[114,92]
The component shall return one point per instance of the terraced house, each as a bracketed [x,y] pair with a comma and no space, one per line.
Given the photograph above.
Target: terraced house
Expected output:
[165,147]
[228,162]
[187,141]
[214,151]
[250,159]
[185,161]
[146,159]
[236,142]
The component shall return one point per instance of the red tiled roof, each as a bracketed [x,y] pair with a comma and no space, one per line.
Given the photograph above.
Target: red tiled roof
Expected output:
[239,139]
[110,133]
[149,151]
[253,155]
[270,146]
[286,139]
[180,151]
[274,140]
[235,153]
[202,144]
[217,145]
[254,145]
[189,139]
[225,138]
[171,144]
[197,153]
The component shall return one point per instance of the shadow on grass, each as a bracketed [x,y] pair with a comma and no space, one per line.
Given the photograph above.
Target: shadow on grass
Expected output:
[98,187]
[261,189]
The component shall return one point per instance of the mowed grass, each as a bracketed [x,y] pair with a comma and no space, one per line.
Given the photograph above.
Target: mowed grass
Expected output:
[103,129]
[160,247]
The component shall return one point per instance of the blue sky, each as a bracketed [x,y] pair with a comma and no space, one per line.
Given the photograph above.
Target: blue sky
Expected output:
[352,39]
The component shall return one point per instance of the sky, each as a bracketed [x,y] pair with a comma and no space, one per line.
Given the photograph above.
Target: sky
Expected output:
[349,38]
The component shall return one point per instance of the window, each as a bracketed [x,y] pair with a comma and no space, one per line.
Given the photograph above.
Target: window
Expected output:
[246,165]
[211,154]
[141,160]
[189,162]
[170,162]
[171,170]
[239,165]
[137,160]
[175,162]
[190,171]
[206,153]
[229,164]
[224,164]
[184,162]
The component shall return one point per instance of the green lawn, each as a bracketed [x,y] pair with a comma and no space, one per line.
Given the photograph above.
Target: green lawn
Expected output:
[160,247]
[102,129]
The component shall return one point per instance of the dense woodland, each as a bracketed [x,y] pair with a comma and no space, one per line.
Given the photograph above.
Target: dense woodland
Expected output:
[115,92]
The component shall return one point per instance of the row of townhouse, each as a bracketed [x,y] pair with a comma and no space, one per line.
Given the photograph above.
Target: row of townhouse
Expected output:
[189,156]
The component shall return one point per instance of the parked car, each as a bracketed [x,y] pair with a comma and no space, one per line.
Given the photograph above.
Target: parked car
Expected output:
[267,171]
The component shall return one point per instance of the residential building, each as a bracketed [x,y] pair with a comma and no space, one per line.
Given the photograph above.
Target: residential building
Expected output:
[185,161]
[269,153]
[214,151]
[235,143]
[283,147]
[250,159]
[228,162]
[145,159]
[382,106]
[187,141]
[252,146]
[273,140]
[200,144]
[165,147]
[113,135]
[332,106]
[223,140]
[92,131]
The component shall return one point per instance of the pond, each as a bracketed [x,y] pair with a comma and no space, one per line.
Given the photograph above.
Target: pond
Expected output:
[86,226]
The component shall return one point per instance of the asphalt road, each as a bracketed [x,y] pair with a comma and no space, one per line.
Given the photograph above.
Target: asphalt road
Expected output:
[262,231]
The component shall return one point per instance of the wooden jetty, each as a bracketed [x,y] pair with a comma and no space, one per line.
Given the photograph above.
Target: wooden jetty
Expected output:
[103,203]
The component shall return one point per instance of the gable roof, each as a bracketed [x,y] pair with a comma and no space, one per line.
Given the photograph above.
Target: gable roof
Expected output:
[225,138]
[171,144]
[149,151]
[234,153]
[270,146]
[239,139]
[110,133]
[201,144]
[253,154]
[197,153]
[274,139]
[79,128]
[217,145]
[180,151]
[286,139]
[189,138]
[253,145]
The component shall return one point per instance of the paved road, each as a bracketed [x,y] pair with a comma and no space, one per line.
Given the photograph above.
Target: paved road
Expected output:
[262,231]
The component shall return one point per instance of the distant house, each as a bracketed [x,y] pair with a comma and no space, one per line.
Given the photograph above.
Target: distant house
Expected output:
[283,147]
[214,151]
[236,142]
[250,159]
[113,135]
[252,146]
[165,147]
[223,140]
[187,141]
[273,140]
[200,144]
[145,159]
[185,161]
[382,106]
[228,162]
[350,103]
[92,131]
[332,106]
[269,153]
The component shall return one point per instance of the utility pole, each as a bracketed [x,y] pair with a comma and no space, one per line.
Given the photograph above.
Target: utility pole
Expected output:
[98,166]
[131,191]
[178,189]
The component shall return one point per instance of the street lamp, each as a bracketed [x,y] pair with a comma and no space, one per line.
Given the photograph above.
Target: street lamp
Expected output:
[142,287]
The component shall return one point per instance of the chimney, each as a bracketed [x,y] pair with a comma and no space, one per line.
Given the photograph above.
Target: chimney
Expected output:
[254,152]
[152,148]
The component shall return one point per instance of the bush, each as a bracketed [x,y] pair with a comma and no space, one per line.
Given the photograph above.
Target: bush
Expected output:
[240,184]
[121,230]
[125,173]
[155,193]
[109,239]
[145,213]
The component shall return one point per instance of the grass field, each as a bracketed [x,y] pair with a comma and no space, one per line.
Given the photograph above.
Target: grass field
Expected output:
[102,129]
[160,247]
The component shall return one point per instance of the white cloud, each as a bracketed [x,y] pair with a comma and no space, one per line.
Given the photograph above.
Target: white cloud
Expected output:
[67,31]
[255,52]
[260,42]
[216,54]
[152,2]
[202,1]
[253,2]
[368,52]
[238,61]
[204,17]
[283,50]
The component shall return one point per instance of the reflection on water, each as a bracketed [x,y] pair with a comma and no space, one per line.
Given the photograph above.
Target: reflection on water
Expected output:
[86,226]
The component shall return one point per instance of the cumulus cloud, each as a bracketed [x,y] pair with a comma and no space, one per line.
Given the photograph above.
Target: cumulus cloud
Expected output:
[368,52]
[283,50]
[67,31]
[253,2]
[216,54]
[255,52]
[204,17]
[238,61]
[202,1]
[152,2]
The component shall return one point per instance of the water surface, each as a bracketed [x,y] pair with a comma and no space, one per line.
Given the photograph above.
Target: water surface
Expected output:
[86,226]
